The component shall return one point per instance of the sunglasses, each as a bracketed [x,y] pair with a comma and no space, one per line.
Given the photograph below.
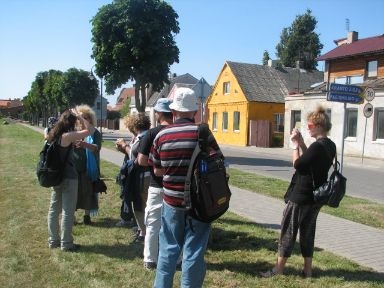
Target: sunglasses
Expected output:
[311,125]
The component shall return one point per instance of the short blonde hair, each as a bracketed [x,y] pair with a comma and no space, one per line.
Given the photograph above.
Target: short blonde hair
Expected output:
[129,123]
[137,122]
[87,112]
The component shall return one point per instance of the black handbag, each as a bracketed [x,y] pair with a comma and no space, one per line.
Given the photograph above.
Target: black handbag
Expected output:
[99,186]
[290,188]
[332,191]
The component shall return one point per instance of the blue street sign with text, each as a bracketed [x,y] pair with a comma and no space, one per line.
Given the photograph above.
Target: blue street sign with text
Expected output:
[345,93]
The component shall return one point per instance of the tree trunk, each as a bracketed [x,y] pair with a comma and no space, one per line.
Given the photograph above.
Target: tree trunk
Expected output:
[140,96]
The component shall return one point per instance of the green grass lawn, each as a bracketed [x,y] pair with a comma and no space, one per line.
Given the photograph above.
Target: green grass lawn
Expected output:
[238,251]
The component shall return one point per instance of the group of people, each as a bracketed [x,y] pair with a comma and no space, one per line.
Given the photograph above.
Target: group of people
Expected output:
[76,133]
[155,168]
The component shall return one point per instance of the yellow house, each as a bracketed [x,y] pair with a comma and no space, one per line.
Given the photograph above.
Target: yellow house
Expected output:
[246,106]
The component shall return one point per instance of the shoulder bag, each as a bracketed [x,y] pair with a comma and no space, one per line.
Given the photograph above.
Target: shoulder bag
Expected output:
[332,191]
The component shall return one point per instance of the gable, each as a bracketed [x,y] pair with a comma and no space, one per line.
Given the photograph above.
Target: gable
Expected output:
[261,83]
[163,93]
[358,47]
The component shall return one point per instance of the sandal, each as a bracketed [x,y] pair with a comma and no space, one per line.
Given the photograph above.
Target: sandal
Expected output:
[268,274]
[304,275]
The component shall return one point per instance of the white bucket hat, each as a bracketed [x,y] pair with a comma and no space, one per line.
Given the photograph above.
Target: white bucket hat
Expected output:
[185,100]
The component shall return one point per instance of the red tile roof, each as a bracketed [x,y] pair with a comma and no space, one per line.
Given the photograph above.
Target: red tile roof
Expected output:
[124,94]
[359,47]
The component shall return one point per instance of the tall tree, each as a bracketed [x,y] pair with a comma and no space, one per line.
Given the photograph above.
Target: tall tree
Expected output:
[134,40]
[300,43]
[52,90]
[78,87]
[266,58]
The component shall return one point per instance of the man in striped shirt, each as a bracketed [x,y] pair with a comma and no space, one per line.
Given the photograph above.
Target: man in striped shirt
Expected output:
[170,157]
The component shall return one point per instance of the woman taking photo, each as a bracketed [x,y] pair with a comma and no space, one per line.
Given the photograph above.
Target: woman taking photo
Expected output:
[64,195]
[300,213]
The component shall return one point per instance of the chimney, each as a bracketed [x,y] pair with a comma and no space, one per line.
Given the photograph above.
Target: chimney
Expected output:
[272,63]
[299,64]
[352,37]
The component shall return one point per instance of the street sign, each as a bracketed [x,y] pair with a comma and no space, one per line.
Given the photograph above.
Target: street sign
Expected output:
[368,110]
[369,94]
[345,93]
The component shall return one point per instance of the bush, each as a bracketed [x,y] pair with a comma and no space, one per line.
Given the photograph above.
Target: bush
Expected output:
[277,140]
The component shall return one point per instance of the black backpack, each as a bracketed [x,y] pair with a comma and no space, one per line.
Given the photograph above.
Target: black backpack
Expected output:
[50,168]
[206,191]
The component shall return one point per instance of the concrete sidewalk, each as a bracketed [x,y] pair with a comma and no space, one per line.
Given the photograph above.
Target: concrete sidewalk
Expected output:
[359,243]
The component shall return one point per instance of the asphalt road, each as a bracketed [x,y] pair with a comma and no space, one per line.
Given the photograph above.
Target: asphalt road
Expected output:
[365,179]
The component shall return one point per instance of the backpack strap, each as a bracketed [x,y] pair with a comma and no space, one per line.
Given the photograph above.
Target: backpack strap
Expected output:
[58,142]
[202,145]
[334,163]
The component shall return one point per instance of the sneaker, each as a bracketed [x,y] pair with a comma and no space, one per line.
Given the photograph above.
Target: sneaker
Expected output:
[54,245]
[150,265]
[87,220]
[268,274]
[139,239]
[72,248]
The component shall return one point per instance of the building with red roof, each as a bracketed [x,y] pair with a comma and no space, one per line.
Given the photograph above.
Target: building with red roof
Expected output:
[358,128]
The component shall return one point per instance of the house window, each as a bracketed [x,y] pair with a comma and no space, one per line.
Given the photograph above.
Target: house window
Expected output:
[351,122]
[349,80]
[278,123]
[379,124]
[372,69]
[236,121]
[226,87]
[98,106]
[225,121]
[296,119]
[329,113]
[214,121]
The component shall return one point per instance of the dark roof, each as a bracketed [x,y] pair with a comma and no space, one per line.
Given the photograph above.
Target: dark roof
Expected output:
[262,83]
[183,79]
[358,47]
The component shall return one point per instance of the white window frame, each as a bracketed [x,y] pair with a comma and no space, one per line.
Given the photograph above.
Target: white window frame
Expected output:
[226,87]
[278,122]
[236,118]
[295,124]
[225,121]
[214,121]
[378,124]
[351,128]
[372,69]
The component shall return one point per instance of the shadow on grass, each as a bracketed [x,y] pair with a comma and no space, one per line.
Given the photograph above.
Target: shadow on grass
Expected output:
[347,275]
[240,237]
[129,251]
[106,222]
[287,165]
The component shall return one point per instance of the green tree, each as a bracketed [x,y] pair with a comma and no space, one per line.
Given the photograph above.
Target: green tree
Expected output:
[52,90]
[300,43]
[125,107]
[78,87]
[266,58]
[134,40]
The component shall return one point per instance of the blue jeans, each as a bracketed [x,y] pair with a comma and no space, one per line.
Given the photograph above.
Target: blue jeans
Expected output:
[181,233]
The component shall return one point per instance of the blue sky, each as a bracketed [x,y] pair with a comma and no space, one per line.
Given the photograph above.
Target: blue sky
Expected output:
[40,35]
